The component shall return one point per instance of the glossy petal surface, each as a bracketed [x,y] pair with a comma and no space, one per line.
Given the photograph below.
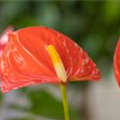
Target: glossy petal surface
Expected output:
[26,60]
[117,63]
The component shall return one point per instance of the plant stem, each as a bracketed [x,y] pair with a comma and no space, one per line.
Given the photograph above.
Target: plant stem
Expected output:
[65,101]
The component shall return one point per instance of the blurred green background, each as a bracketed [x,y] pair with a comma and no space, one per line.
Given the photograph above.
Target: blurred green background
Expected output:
[93,25]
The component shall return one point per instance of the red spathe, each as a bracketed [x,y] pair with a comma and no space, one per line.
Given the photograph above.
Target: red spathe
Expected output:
[26,61]
[117,63]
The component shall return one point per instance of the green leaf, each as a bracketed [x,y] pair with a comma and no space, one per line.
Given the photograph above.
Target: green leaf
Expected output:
[44,104]
[111,10]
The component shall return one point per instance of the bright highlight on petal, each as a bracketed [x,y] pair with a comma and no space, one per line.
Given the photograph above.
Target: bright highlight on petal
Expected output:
[57,63]
[4,39]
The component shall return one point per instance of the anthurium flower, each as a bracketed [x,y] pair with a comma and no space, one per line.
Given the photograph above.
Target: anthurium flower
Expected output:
[27,60]
[117,63]
[4,39]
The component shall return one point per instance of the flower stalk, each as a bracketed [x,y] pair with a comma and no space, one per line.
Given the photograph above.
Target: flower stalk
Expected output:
[65,101]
